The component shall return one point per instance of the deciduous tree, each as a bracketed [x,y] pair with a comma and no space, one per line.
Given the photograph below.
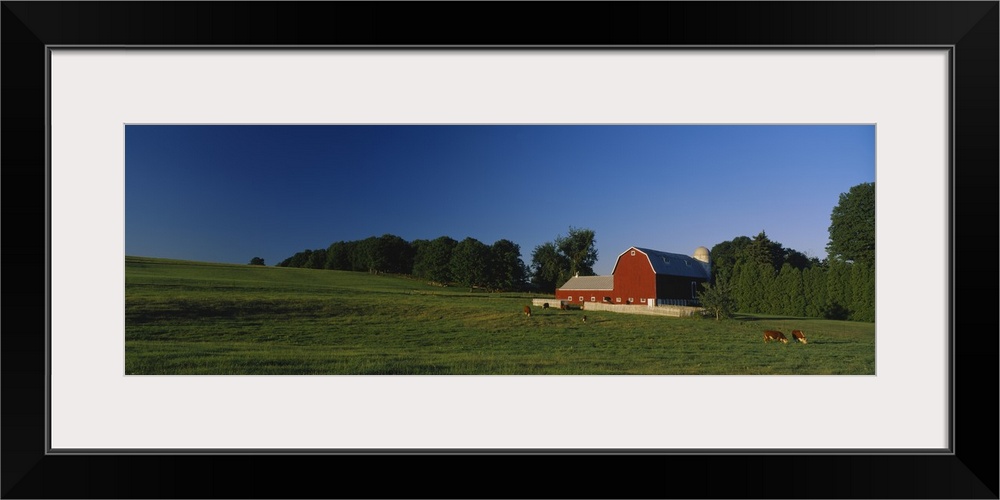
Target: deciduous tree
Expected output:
[507,269]
[395,254]
[469,262]
[338,256]
[317,260]
[724,256]
[718,299]
[549,268]
[580,248]
[433,259]
[852,225]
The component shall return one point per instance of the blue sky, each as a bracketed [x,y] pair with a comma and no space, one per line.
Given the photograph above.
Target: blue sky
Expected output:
[221,193]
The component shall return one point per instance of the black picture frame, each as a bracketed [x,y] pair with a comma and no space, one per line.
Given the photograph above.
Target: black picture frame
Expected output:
[969,28]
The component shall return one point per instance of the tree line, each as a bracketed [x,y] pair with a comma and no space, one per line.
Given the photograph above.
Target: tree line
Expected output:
[784,284]
[760,275]
[443,260]
[469,262]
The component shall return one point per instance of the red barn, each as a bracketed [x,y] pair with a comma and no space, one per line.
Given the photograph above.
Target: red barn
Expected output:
[643,277]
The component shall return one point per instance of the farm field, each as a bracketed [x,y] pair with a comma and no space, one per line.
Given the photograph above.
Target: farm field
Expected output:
[194,318]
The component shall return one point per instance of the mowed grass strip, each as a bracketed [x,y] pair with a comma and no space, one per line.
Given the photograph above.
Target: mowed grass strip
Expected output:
[220,319]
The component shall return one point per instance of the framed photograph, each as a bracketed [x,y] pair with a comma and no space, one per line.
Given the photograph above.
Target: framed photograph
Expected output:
[98,89]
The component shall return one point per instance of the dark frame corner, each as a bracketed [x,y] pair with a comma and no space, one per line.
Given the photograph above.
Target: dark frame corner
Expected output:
[971,28]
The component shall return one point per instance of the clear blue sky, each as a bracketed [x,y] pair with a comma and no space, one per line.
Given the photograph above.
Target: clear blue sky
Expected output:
[229,193]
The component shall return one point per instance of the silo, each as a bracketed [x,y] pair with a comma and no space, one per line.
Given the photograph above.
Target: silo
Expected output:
[702,254]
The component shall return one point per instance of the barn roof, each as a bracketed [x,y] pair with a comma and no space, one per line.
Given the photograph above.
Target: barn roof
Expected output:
[589,283]
[674,264]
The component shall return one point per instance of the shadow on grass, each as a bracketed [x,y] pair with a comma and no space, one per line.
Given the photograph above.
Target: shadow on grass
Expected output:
[746,318]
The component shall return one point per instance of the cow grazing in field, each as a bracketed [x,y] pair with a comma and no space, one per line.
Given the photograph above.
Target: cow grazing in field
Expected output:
[527,310]
[545,305]
[798,335]
[770,335]
[584,318]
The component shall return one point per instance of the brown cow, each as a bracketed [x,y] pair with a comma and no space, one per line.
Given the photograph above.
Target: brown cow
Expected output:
[798,335]
[527,310]
[770,335]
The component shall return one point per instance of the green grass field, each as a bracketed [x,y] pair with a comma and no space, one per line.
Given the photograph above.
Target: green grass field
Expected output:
[225,319]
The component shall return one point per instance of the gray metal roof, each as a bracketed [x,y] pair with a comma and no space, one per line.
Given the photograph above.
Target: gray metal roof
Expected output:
[590,283]
[675,264]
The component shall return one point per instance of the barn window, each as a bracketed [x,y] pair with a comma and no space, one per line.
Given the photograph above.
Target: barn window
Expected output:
[642,300]
[633,253]
[581,298]
[593,299]
[618,299]
[694,289]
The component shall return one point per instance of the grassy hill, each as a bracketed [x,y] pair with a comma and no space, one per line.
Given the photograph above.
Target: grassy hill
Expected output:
[224,319]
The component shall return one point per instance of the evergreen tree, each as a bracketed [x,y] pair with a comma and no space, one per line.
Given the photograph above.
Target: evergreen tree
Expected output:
[862,292]
[762,250]
[745,286]
[768,294]
[838,289]
[814,284]
[792,289]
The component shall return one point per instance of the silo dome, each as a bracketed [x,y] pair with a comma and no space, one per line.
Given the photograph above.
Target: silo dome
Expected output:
[701,253]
